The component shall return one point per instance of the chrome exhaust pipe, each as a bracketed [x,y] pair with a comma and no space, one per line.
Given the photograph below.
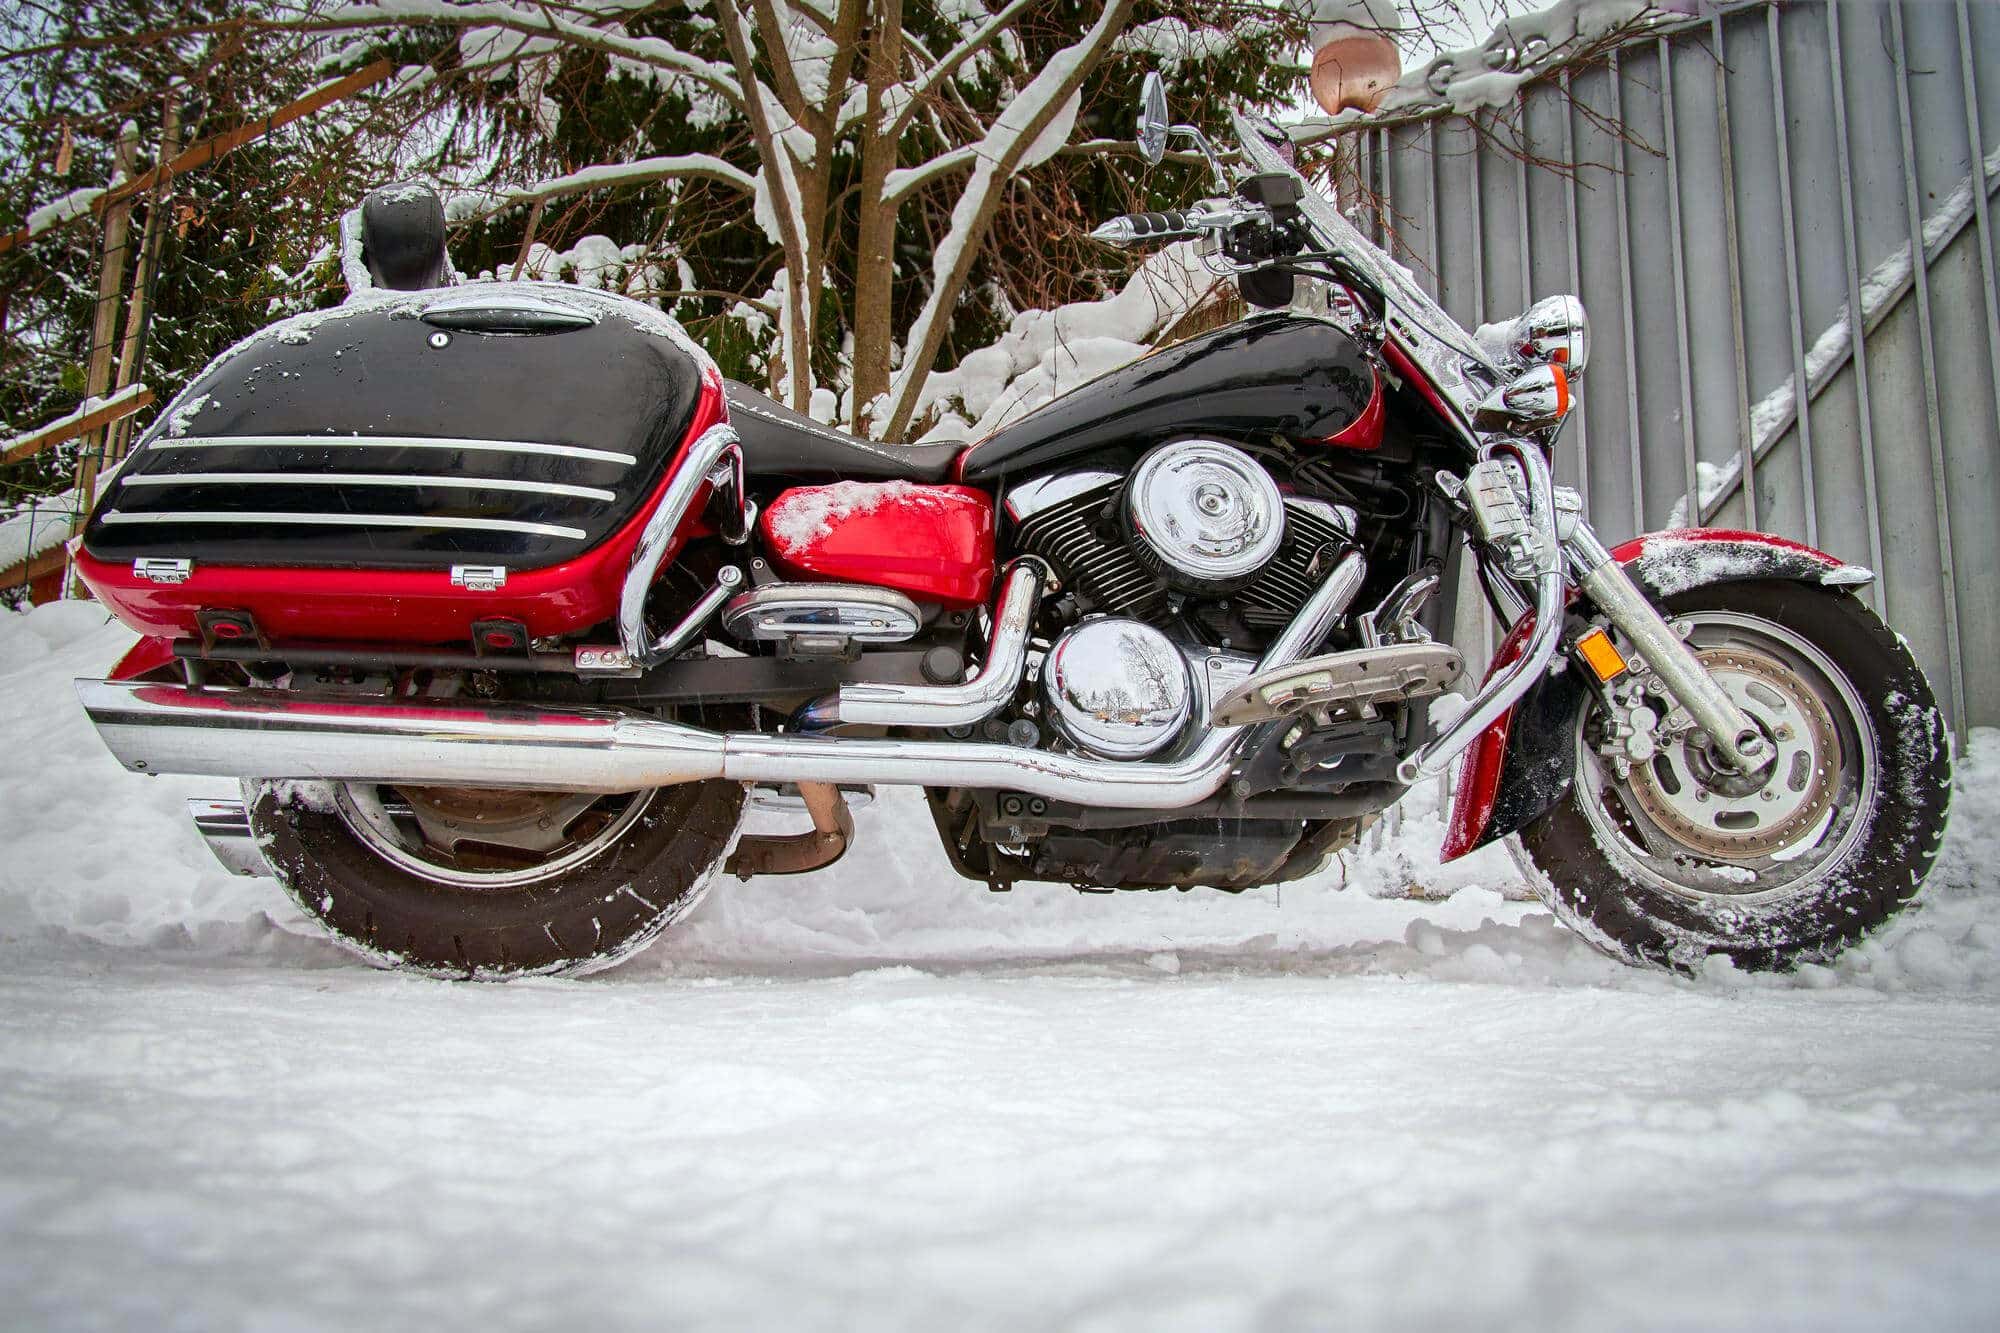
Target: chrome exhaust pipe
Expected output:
[154,727]
[160,728]
[887,704]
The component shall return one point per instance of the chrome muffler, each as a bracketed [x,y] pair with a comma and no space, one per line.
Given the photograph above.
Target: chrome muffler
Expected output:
[154,727]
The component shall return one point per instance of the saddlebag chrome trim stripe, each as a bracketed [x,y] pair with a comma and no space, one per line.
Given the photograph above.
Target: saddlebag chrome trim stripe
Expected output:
[309,520]
[393,442]
[369,479]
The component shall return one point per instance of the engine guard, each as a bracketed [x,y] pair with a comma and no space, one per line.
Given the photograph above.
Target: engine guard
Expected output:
[1519,767]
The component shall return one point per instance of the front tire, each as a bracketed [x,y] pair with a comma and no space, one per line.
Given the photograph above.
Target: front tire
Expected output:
[1666,860]
[489,885]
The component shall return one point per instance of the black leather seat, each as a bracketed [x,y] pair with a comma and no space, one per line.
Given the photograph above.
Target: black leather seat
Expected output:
[778,442]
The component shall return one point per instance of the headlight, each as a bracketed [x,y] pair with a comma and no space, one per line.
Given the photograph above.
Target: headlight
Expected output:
[1553,331]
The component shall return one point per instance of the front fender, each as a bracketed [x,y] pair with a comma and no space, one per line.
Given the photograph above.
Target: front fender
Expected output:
[1521,765]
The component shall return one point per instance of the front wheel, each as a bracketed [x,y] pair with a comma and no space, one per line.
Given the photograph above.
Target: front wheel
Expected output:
[1662,857]
[483,884]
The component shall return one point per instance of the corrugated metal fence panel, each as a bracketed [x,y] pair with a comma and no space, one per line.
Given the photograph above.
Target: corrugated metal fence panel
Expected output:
[1721,196]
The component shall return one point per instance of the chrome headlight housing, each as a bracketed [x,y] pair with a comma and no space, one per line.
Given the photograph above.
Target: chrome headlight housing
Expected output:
[1554,331]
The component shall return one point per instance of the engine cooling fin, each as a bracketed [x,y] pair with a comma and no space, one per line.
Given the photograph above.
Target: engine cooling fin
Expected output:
[1079,538]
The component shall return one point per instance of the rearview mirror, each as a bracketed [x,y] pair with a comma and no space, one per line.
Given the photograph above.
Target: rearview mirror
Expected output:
[1153,118]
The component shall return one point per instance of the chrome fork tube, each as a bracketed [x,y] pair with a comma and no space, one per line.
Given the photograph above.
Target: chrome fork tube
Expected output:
[1731,736]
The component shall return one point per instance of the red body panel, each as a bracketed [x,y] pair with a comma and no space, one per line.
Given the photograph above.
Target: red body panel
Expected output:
[397,606]
[1365,431]
[934,543]
[1478,779]
[149,654]
[1478,782]
[1399,361]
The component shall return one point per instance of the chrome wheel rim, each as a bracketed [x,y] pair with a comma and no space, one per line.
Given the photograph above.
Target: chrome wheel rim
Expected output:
[1678,822]
[485,840]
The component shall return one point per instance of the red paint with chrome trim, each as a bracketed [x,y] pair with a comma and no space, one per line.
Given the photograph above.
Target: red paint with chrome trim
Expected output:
[934,543]
[1478,784]
[1399,361]
[397,605]
[1365,431]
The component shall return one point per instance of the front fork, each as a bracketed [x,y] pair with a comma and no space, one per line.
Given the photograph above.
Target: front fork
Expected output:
[1536,542]
[1731,737]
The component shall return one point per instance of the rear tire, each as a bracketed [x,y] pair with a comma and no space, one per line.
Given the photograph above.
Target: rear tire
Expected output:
[594,901]
[1660,870]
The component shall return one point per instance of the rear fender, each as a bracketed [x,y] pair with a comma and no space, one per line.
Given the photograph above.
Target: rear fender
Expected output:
[1523,764]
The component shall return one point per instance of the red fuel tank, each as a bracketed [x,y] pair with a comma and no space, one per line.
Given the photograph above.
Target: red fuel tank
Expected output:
[934,543]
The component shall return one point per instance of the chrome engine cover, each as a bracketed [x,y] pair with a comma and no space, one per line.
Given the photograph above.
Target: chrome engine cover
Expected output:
[1117,688]
[1203,515]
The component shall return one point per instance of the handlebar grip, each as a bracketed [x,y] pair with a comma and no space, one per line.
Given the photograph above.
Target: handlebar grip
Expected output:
[1141,228]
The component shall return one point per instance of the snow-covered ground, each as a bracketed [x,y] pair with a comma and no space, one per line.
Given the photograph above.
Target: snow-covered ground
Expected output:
[880,1096]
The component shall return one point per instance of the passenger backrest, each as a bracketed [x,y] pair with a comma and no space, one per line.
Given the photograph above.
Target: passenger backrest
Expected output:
[402,238]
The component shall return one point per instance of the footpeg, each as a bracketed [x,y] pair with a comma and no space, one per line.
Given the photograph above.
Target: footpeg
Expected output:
[1350,680]
[822,617]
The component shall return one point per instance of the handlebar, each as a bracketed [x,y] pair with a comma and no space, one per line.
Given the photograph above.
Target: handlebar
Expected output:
[1129,229]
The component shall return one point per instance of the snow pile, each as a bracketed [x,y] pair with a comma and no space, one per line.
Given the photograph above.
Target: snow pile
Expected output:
[1045,353]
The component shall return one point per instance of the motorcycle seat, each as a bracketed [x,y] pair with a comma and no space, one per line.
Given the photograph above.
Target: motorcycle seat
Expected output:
[778,442]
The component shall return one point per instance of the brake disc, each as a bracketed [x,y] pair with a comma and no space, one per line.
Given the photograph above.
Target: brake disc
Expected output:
[1723,815]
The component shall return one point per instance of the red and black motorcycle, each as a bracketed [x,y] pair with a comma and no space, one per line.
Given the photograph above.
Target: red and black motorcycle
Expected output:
[502,603]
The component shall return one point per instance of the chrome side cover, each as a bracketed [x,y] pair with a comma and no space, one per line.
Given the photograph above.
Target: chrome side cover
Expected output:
[1117,688]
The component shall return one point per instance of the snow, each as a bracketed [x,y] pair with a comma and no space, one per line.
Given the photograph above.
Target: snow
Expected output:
[801,516]
[1046,352]
[1520,49]
[66,209]
[881,1096]
[75,414]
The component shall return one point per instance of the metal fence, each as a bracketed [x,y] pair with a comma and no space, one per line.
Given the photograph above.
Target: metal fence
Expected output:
[1722,195]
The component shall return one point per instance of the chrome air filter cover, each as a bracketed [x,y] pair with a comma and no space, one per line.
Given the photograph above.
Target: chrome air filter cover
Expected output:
[1203,515]
[1117,688]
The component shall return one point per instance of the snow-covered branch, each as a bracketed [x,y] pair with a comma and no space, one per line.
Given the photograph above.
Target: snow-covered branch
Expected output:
[540,21]
[913,95]
[1035,124]
[685,165]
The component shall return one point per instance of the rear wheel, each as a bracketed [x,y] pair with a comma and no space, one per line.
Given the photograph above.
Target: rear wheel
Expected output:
[1661,856]
[482,884]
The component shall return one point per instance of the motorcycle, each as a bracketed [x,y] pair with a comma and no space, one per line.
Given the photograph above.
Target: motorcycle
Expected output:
[502,604]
